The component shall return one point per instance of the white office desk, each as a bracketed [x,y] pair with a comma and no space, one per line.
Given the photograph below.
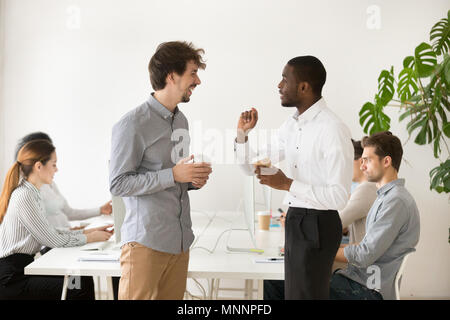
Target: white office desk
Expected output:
[202,264]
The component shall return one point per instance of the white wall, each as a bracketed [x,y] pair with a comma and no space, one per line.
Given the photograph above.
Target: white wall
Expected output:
[73,68]
[2,119]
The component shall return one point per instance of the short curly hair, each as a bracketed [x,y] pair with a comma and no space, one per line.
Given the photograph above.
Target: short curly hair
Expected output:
[172,57]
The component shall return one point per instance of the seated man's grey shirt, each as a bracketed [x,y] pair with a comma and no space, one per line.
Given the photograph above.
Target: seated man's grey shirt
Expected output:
[146,144]
[392,231]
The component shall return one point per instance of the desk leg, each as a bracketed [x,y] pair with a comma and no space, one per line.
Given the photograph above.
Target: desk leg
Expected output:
[213,288]
[216,289]
[98,295]
[247,289]
[260,289]
[64,289]
[110,289]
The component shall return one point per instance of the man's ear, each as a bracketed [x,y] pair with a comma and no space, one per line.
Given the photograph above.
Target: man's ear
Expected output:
[387,161]
[303,87]
[170,78]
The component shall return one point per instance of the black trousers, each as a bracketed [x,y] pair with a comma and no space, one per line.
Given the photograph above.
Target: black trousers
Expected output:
[312,238]
[14,285]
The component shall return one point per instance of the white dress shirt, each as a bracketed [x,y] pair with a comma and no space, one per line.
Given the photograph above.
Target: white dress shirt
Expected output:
[25,229]
[57,208]
[353,216]
[319,154]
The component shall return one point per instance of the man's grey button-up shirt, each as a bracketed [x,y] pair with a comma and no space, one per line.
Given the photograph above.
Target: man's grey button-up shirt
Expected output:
[146,144]
[392,231]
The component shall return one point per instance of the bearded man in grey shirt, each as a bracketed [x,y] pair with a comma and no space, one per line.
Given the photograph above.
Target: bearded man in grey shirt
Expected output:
[392,227]
[151,170]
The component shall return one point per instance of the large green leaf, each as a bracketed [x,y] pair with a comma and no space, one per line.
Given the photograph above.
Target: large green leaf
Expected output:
[408,62]
[440,35]
[437,145]
[440,177]
[425,60]
[421,137]
[446,129]
[386,86]
[426,121]
[420,121]
[407,84]
[372,118]
[446,71]
[440,75]
[411,111]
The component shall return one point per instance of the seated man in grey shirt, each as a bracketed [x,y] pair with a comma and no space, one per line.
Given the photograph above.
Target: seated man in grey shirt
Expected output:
[392,227]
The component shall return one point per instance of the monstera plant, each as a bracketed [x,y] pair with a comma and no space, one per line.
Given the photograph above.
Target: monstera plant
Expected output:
[420,91]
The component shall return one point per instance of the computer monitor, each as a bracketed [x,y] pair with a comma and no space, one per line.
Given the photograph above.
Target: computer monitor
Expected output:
[251,201]
[249,214]
[118,211]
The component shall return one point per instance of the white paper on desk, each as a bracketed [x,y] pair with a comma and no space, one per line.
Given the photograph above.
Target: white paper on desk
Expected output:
[270,260]
[106,257]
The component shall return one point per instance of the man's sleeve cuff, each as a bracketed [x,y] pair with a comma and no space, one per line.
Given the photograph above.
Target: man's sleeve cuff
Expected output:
[298,188]
[349,253]
[241,151]
[166,178]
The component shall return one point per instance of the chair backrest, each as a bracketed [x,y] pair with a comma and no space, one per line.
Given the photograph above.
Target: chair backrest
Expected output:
[398,276]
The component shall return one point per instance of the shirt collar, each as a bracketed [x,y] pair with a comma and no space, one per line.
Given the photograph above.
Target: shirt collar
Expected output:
[31,187]
[160,109]
[388,186]
[311,112]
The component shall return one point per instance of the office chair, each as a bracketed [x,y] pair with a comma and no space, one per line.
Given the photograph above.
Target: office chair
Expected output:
[398,276]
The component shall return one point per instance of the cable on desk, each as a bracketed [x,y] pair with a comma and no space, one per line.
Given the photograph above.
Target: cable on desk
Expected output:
[215,246]
[204,229]
[193,247]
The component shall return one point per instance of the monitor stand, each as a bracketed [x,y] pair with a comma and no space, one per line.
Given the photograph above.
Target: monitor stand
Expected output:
[240,238]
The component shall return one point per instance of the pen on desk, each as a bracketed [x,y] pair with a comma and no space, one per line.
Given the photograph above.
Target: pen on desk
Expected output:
[275,259]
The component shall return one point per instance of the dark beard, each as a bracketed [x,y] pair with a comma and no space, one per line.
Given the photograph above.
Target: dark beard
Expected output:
[288,104]
[185,98]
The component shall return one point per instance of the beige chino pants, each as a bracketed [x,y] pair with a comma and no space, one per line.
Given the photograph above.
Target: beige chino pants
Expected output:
[148,274]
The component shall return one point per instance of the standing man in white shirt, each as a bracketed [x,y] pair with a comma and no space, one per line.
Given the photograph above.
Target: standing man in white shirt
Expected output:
[317,147]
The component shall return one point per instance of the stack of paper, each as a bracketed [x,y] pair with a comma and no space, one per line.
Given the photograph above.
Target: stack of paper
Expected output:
[111,256]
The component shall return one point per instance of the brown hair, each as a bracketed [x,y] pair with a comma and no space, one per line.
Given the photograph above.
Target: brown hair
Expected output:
[172,57]
[32,152]
[357,147]
[386,144]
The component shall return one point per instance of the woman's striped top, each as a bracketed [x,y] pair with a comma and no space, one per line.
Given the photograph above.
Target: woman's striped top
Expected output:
[25,228]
